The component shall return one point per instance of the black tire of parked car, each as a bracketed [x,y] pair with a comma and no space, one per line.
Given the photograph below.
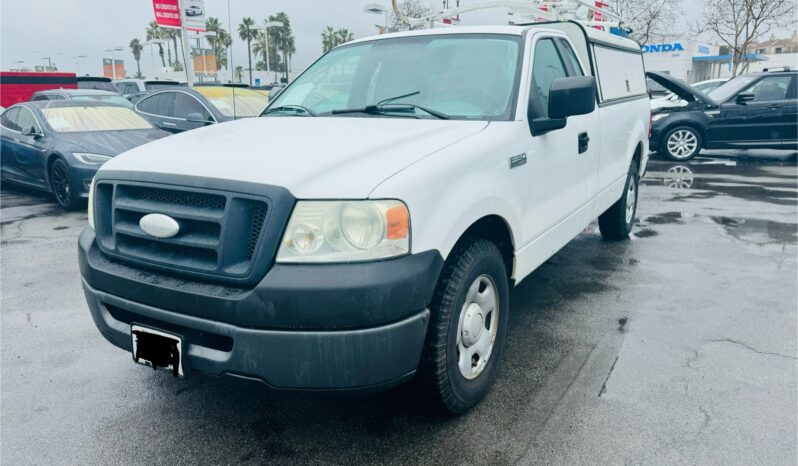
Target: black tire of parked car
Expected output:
[438,372]
[615,224]
[676,156]
[62,185]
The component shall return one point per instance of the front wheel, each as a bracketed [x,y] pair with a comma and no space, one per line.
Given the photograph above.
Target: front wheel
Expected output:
[467,326]
[681,143]
[62,185]
[617,222]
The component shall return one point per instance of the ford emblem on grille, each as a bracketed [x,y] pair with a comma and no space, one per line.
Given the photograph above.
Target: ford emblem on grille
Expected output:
[159,225]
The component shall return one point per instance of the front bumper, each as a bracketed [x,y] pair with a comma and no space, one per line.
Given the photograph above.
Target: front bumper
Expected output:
[345,326]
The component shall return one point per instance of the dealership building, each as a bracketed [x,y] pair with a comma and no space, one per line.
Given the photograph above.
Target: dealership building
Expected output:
[694,61]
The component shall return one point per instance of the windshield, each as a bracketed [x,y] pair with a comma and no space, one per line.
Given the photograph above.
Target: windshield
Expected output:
[77,119]
[471,76]
[730,88]
[114,99]
[234,102]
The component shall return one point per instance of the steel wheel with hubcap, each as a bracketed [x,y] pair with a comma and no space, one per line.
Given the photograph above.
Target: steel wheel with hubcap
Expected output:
[468,323]
[682,143]
[617,222]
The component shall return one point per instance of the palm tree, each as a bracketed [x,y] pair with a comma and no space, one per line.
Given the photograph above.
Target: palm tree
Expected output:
[261,46]
[328,39]
[136,47]
[284,39]
[344,36]
[247,33]
[225,41]
[239,70]
[220,42]
[153,32]
[173,34]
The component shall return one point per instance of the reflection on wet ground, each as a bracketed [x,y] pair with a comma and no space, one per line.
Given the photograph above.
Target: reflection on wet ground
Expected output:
[759,231]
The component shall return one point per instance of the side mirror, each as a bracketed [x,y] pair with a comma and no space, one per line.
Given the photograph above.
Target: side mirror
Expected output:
[196,118]
[572,96]
[30,131]
[743,98]
[567,97]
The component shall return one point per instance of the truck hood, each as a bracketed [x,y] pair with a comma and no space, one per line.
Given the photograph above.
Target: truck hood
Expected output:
[682,90]
[322,157]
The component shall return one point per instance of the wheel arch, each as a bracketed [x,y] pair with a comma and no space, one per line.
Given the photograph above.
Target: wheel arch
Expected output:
[496,229]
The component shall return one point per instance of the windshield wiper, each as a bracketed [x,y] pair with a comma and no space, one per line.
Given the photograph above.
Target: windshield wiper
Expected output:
[293,108]
[382,107]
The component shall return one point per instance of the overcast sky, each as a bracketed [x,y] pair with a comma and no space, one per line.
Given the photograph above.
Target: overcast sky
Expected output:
[32,29]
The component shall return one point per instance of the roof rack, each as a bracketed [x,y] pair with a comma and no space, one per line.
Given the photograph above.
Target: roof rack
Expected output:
[581,11]
[776,68]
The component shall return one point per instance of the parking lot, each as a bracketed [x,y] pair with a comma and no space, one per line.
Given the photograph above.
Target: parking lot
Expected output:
[678,346]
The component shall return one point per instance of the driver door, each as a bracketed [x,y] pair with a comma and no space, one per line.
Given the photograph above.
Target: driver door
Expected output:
[29,153]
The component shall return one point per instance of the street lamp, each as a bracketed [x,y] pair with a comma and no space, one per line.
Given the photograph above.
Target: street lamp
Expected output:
[113,59]
[266,27]
[77,63]
[377,9]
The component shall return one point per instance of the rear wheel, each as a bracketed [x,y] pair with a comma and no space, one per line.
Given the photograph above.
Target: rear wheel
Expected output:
[467,326]
[62,185]
[681,143]
[617,222]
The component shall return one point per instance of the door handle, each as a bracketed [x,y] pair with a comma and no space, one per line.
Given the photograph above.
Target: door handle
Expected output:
[584,140]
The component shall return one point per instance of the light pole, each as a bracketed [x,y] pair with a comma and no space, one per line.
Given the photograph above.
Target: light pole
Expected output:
[113,59]
[376,9]
[266,27]
[77,63]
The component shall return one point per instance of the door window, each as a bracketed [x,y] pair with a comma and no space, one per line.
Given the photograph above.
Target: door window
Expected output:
[185,104]
[547,67]
[570,55]
[8,120]
[770,88]
[158,104]
[25,119]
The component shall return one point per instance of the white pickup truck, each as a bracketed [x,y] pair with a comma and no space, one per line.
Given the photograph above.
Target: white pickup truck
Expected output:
[367,229]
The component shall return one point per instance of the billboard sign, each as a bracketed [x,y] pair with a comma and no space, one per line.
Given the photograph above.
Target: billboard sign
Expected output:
[204,61]
[115,71]
[167,13]
[194,13]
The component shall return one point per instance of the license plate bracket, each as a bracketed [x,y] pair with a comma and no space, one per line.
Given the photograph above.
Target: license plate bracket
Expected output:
[157,349]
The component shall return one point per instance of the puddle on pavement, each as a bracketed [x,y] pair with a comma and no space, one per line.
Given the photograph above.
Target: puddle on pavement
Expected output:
[692,181]
[645,233]
[758,231]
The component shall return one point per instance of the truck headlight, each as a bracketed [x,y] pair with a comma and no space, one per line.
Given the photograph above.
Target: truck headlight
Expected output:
[91,204]
[92,159]
[345,231]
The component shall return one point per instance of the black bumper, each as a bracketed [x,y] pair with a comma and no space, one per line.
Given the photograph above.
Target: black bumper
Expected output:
[338,326]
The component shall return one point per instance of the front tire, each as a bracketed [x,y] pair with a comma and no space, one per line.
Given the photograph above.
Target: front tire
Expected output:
[467,328]
[62,185]
[681,143]
[617,222]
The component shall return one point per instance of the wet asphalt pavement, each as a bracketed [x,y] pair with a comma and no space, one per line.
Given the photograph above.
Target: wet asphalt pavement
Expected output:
[678,346]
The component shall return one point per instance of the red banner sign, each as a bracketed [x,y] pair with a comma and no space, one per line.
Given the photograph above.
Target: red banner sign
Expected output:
[167,13]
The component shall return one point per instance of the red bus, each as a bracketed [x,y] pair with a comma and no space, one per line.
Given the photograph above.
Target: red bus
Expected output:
[18,86]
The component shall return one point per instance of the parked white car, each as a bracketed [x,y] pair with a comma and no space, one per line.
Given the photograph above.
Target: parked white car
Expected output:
[368,228]
[672,100]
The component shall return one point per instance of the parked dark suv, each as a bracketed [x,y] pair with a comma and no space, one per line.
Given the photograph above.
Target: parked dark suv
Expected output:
[751,111]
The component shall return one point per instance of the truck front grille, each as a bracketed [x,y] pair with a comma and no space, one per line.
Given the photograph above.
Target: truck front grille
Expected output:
[220,232]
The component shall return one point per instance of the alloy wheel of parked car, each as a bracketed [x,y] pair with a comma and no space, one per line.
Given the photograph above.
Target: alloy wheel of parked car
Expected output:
[682,144]
[61,185]
[467,326]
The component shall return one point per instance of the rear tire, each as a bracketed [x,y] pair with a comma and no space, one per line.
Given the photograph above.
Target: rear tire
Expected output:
[617,222]
[467,328]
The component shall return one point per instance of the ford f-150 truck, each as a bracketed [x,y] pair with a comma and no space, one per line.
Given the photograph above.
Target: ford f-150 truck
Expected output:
[367,229]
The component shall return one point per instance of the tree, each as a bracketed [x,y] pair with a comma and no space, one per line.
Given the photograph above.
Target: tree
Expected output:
[650,20]
[136,47]
[283,39]
[740,23]
[153,32]
[239,70]
[261,46]
[247,33]
[220,42]
[174,34]
[411,9]
[330,38]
